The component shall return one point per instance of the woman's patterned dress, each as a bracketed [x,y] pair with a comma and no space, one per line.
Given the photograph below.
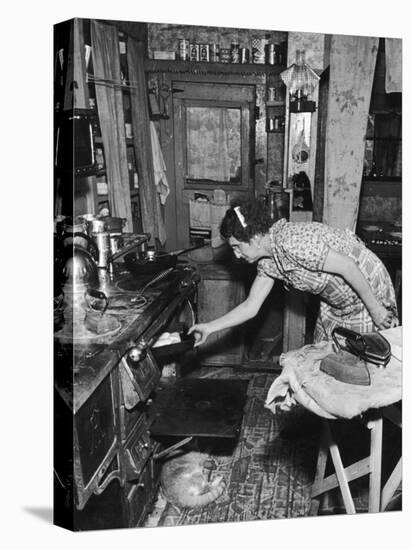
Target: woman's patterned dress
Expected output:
[299,252]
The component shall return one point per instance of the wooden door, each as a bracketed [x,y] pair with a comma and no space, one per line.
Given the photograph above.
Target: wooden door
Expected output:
[203,114]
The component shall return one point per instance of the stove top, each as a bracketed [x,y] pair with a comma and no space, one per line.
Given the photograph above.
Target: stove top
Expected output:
[380,234]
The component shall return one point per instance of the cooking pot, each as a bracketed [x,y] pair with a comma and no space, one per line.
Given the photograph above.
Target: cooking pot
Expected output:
[153,263]
[95,225]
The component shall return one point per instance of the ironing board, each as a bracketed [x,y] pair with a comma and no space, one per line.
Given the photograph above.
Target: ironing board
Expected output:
[302,382]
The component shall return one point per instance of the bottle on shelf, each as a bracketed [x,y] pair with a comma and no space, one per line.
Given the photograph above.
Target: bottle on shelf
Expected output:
[374,171]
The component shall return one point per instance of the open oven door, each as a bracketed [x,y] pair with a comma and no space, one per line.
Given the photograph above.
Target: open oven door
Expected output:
[201,408]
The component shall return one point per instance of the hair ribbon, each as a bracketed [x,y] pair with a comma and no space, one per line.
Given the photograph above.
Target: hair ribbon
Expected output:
[240,216]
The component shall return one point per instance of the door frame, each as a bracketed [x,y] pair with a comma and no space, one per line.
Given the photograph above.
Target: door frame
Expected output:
[167,130]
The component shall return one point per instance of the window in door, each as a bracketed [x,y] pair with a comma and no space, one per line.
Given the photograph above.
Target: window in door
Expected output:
[214,136]
[213,145]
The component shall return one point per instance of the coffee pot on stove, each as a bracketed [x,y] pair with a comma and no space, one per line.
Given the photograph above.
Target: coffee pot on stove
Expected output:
[76,257]
[76,278]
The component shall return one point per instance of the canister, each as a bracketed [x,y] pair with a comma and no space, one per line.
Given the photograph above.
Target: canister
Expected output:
[244,55]
[194,52]
[225,55]
[204,52]
[184,49]
[214,52]
[235,53]
[270,54]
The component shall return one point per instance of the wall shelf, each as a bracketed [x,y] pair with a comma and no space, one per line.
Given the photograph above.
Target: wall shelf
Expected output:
[199,67]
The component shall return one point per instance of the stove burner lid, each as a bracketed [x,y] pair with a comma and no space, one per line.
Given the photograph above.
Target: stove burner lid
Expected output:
[130,284]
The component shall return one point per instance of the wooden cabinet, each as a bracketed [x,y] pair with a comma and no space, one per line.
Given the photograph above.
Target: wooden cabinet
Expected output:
[222,287]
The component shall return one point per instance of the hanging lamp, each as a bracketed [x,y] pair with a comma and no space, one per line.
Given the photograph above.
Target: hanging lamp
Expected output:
[301,82]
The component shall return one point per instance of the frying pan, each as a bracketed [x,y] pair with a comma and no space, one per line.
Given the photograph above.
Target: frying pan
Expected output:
[161,261]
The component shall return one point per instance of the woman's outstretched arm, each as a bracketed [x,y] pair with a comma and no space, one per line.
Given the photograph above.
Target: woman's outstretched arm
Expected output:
[240,314]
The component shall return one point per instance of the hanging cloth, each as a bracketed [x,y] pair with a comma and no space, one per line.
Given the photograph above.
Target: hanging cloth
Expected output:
[159,166]
[393,62]
[106,62]
[352,66]
[149,200]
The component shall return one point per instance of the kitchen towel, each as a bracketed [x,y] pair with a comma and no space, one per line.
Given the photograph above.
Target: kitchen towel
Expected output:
[159,166]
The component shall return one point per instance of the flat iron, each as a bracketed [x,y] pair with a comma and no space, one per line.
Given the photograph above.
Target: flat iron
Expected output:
[369,346]
[349,363]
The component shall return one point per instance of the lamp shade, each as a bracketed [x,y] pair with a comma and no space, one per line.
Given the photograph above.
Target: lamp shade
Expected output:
[299,78]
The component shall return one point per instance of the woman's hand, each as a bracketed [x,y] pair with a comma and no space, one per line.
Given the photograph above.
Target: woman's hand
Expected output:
[202,331]
[382,317]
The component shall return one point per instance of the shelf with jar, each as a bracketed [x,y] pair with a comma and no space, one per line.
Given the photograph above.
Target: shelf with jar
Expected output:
[275,105]
[254,56]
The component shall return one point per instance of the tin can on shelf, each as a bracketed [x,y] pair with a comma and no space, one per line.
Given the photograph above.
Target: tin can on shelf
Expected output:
[272,94]
[235,53]
[184,49]
[225,55]
[278,60]
[214,53]
[204,54]
[258,50]
[282,48]
[244,55]
[194,52]
[270,54]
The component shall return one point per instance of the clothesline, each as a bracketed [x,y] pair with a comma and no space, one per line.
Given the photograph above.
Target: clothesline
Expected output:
[110,82]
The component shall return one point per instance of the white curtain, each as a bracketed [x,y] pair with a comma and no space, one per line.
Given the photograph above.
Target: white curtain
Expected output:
[352,65]
[208,143]
[106,61]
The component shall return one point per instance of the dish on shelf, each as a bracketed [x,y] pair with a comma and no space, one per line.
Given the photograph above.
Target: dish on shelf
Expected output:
[371,228]
[396,234]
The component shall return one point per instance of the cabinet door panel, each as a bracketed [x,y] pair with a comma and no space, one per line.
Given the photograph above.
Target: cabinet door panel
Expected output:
[95,427]
[217,297]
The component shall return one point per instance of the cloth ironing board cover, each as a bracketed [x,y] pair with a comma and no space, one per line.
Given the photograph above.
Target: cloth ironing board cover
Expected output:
[301,381]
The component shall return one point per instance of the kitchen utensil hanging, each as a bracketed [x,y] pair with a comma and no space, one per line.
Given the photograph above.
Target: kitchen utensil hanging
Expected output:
[301,151]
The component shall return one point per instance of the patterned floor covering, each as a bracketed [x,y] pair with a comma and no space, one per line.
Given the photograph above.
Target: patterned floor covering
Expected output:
[269,472]
[266,476]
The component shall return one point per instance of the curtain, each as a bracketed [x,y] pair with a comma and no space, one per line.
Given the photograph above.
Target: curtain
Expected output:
[152,219]
[106,60]
[352,65]
[211,150]
[393,62]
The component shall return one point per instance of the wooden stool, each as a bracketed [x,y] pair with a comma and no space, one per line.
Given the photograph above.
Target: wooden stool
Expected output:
[371,465]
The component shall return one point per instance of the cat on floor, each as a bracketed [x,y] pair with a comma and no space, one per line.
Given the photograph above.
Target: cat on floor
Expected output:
[184,481]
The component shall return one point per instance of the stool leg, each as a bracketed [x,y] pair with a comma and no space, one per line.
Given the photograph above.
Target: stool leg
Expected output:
[320,470]
[340,474]
[375,464]
[391,485]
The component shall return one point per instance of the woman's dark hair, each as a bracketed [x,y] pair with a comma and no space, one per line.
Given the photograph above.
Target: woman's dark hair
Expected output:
[256,215]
